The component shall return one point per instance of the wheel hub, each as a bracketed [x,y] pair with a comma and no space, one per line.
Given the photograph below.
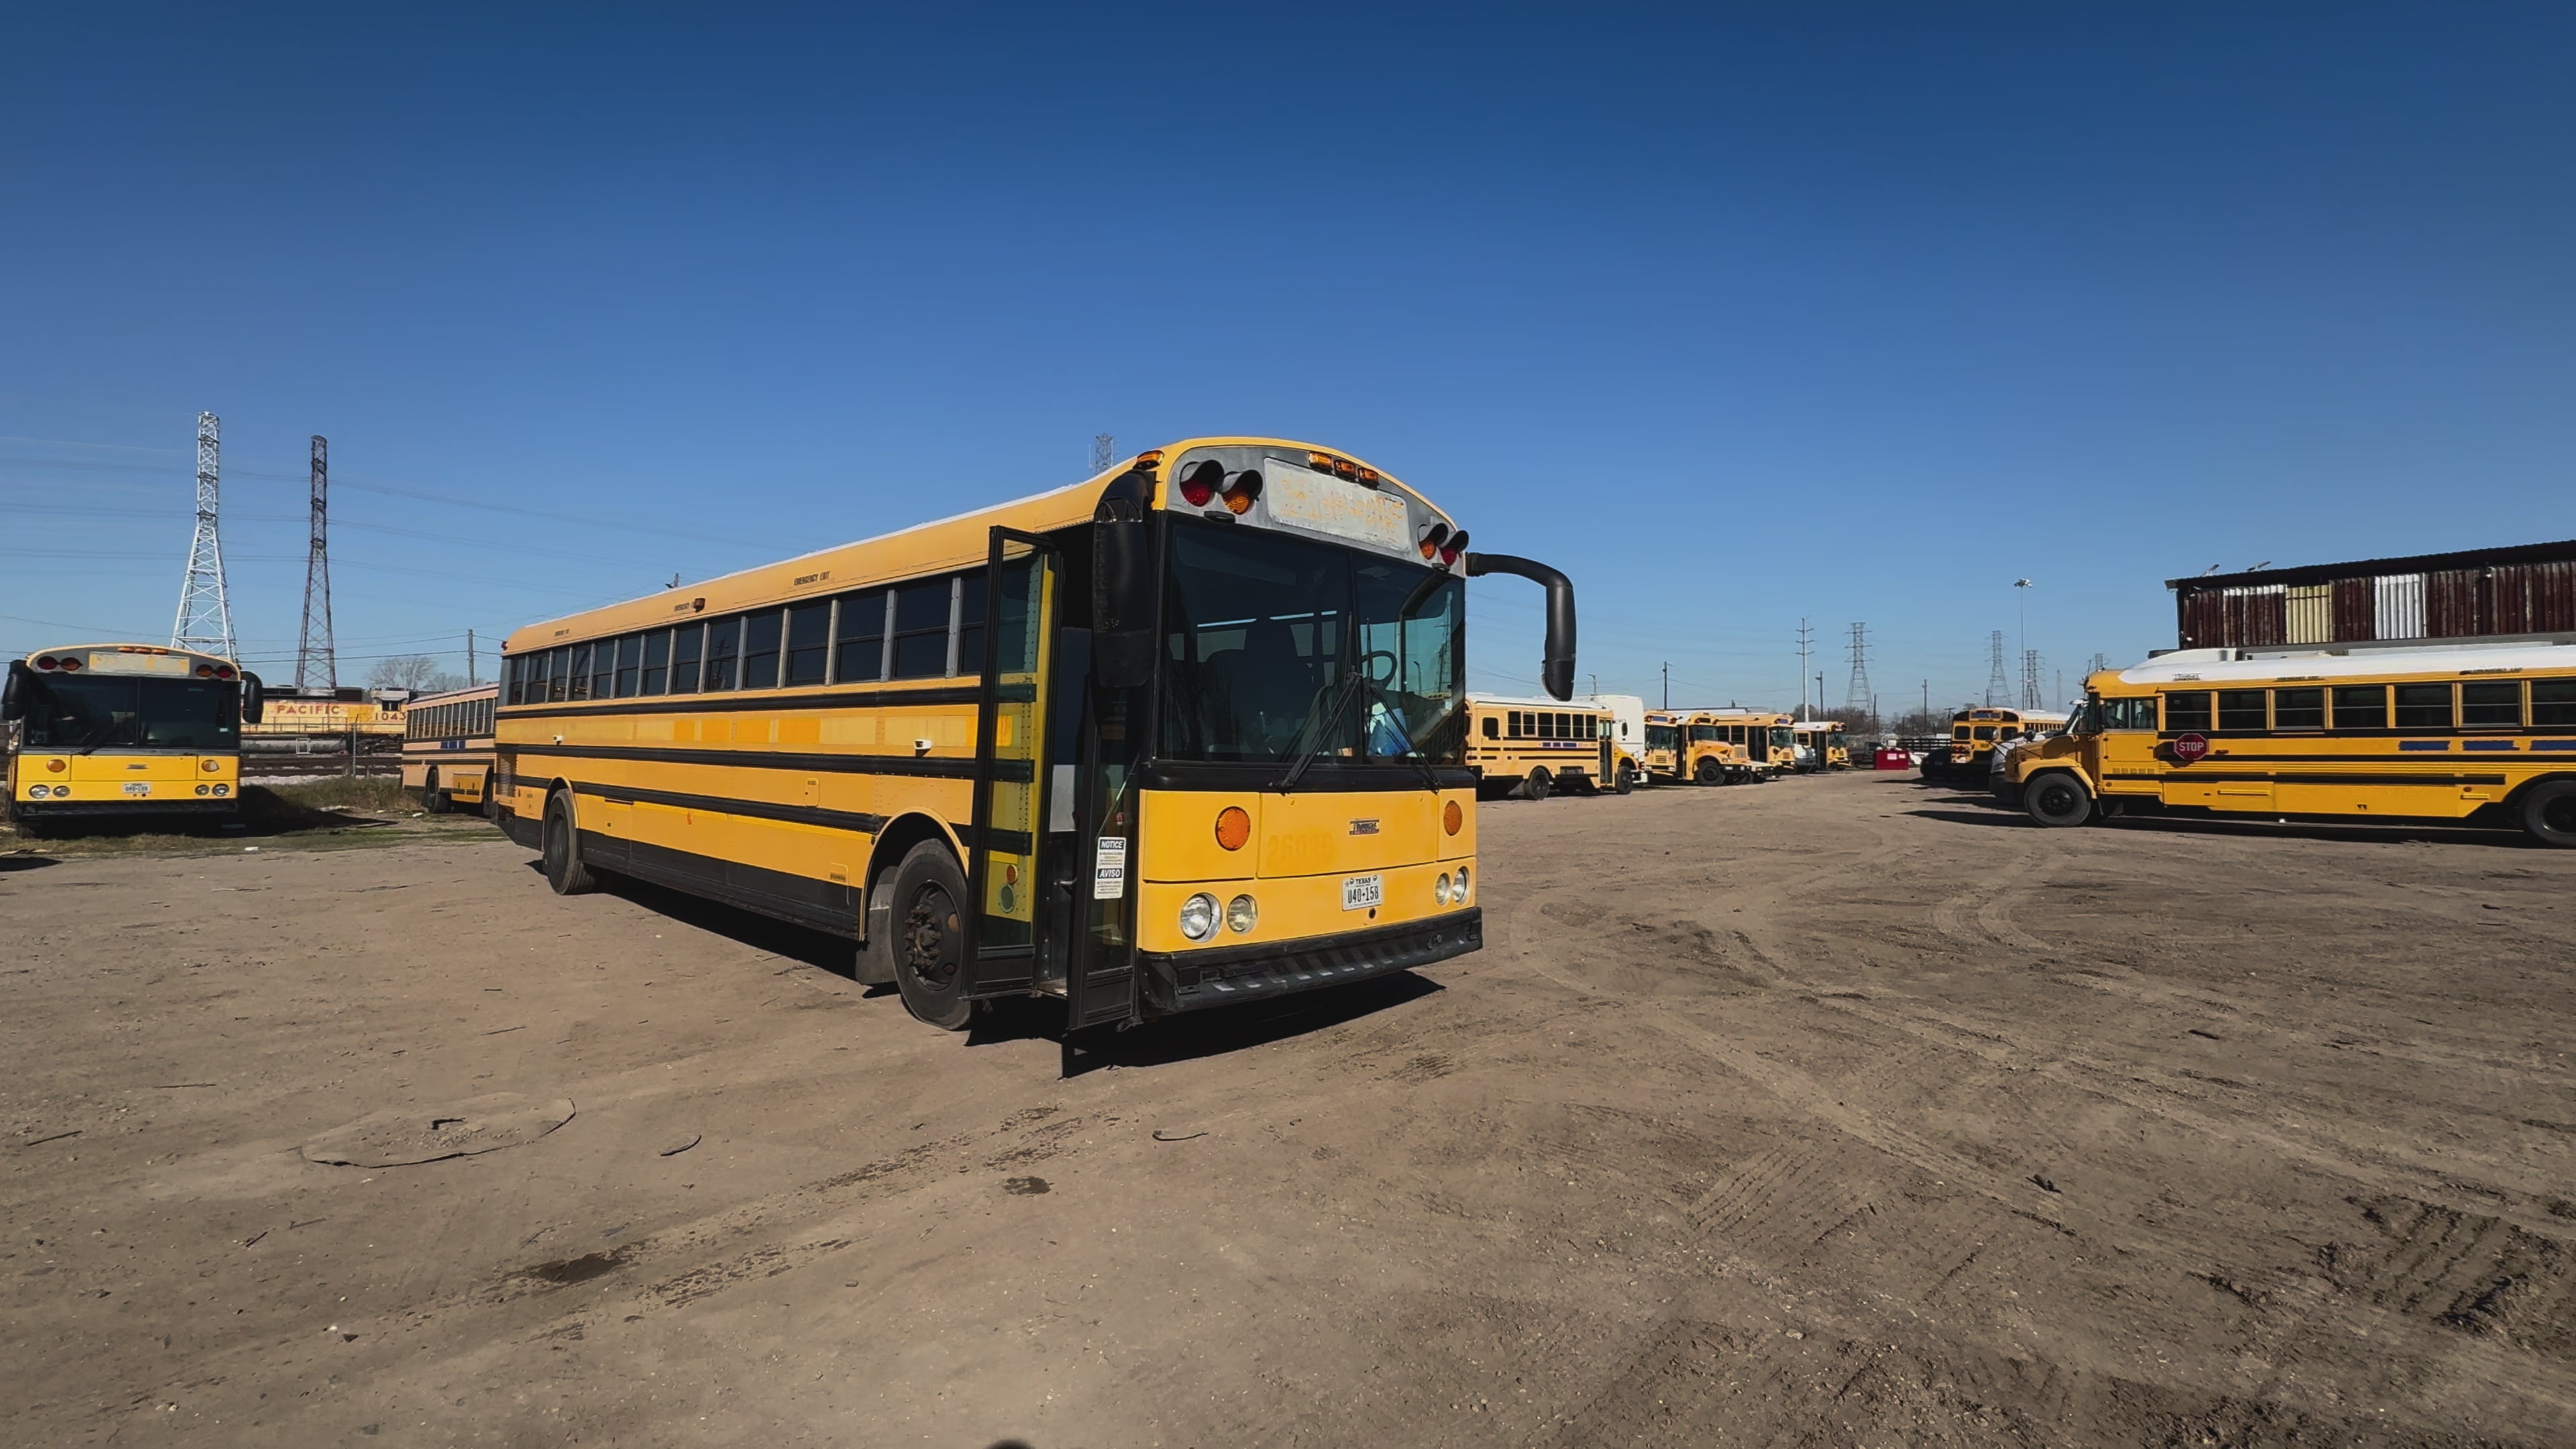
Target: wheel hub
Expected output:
[929,928]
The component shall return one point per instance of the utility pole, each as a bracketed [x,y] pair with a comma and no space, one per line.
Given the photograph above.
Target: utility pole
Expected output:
[205,619]
[470,679]
[1997,688]
[1927,699]
[1805,636]
[2021,590]
[316,662]
[1668,684]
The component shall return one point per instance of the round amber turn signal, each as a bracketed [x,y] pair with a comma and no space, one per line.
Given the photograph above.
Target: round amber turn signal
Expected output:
[1233,827]
[1451,817]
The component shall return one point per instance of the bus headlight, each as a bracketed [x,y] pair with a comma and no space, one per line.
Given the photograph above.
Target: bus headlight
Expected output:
[223,789]
[1440,889]
[201,789]
[1462,885]
[1198,917]
[1240,913]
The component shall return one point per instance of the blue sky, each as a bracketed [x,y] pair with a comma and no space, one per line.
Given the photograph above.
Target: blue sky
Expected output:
[1737,315]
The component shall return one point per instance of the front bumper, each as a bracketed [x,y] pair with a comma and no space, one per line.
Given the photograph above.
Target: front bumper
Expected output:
[110,809]
[1186,981]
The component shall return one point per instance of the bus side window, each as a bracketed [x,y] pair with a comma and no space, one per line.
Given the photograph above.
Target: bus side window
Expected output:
[2298,709]
[579,685]
[2241,709]
[657,662]
[603,669]
[2423,706]
[859,656]
[2187,710]
[630,658]
[724,652]
[921,619]
[1493,728]
[2496,704]
[760,649]
[2361,707]
[809,637]
[687,643]
[2553,703]
[969,645]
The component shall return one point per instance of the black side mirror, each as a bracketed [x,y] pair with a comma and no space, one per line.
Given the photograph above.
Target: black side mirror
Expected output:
[1122,583]
[1556,664]
[13,697]
[254,700]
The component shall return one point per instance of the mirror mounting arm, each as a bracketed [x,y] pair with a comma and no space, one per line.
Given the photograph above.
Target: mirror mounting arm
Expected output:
[1556,667]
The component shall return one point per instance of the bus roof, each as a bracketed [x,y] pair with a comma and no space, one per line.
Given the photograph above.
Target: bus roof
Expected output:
[1516,701]
[90,656]
[2188,665]
[958,541]
[450,696]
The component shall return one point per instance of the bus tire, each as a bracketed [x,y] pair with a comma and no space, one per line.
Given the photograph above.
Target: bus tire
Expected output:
[1627,780]
[1537,785]
[433,800]
[2549,813]
[929,937]
[2058,799]
[564,870]
[1709,772]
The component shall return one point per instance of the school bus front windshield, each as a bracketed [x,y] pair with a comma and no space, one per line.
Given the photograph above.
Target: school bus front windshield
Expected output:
[99,711]
[1280,647]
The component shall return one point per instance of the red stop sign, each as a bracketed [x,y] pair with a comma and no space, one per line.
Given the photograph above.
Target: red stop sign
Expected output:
[2188,748]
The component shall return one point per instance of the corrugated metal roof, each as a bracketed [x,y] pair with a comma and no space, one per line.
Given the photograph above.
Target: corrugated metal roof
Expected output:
[2419,563]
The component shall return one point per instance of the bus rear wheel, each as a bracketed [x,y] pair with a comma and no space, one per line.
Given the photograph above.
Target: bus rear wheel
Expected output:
[2549,813]
[1537,785]
[2058,799]
[433,799]
[564,869]
[930,937]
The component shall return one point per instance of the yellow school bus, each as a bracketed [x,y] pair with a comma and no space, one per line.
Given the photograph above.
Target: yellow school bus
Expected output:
[1974,733]
[1687,745]
[2485,734]
[1823,740]
[1539,747]
[1191,731]
[1762,737]
[125,731]
[447,748]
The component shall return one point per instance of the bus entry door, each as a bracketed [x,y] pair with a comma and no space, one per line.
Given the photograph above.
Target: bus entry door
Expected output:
[1005,880]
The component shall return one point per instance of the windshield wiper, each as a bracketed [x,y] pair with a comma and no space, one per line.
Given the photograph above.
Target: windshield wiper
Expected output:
[1341,701]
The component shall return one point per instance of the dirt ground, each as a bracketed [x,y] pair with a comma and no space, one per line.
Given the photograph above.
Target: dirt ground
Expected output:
[1834,1111]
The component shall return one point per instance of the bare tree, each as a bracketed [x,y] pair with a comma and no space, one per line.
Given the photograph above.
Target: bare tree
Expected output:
[404,671]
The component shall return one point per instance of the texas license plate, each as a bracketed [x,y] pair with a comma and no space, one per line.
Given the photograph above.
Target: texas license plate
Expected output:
[1360,892]
[138,787]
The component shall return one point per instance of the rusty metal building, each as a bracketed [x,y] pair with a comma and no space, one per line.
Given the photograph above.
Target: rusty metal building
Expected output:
[2524,592]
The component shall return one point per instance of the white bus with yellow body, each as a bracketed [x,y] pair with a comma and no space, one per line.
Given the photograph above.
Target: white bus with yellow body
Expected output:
[125,732]
[1823,741]
[2478,733]
[1192,731]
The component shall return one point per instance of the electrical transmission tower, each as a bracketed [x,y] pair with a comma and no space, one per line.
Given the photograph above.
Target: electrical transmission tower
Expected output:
[1997,688]
[315,660]
[1856,696]
[205,621]
[2031,694]
[2100,663]
[1104,451]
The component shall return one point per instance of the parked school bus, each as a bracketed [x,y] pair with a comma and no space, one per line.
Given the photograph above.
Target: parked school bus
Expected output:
[1541,747]
[1824,738]
[2485,734]
[1974,734]
[1192,731]
[1627,725]
[1686,745]
[1763,737]
[447,748]
[125,731]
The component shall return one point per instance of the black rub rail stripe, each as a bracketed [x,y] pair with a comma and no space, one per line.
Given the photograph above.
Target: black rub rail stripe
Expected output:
[2318,777]
[865,824]
[927,766]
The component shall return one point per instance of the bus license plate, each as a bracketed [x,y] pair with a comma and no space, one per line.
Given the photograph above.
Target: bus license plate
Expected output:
[137,787]
[1360,892]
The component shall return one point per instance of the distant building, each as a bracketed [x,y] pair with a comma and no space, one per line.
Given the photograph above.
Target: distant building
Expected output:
[2524,592]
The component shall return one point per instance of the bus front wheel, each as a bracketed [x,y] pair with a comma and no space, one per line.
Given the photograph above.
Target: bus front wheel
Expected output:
[1709,772]
[930,937]
[2549,813]
[564,870]
[2058,799]
[1627,780]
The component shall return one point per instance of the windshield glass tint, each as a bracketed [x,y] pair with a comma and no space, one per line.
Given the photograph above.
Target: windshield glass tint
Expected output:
[102,711]
[1261,634]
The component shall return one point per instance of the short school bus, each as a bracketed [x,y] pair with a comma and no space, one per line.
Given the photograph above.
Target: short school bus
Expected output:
[2485,734]
[1189,732]
[110,731]
[447,748]
[1974,733]
[1824,738]
[1761,737]
[1543,746]
[1693,747]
